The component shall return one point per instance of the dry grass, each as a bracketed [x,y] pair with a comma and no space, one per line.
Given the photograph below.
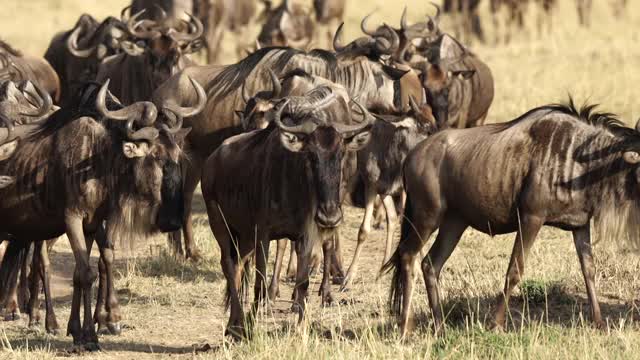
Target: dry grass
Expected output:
[171,307]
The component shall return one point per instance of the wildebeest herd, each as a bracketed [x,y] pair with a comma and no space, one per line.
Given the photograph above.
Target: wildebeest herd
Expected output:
[106,138]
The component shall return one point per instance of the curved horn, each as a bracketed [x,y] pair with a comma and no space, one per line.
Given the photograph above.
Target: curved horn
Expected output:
[306,128]
[72,45]
[438,11]
[277,87]
[363,25]
[403,20]
[350,130]
[46,105]
[196,34]
[258,45]
[163,12]
[245,95]
[193,110]
[394,39]
[143,110]
[133,24]
[124,17]
[337,46]
[414,106]
[433,22]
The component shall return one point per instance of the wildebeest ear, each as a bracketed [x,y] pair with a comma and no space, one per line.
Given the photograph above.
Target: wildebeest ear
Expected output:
[6,181]
[6,150]
[359,141]
[135,150]
[464,74]
[291,141]
[631,157]
[395,74]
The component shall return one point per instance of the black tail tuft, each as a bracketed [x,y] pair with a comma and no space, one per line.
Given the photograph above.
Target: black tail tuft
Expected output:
[11,264]
[395,262]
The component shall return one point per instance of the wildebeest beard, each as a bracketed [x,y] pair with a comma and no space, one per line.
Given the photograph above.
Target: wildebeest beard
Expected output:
[72,157]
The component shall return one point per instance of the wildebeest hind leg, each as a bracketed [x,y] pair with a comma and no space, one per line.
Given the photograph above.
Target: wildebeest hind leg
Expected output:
[228,262]
[51,323]
[192,178]
[582,240]
[392,220]
[34,286]
[448,237]
[529,227]
[112,307]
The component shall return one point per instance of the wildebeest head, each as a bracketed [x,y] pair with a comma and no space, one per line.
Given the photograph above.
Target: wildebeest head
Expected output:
[153,152]
[25,103]
[256,107]
[163,44]
[318,127]
[286,25]
[437,80]
[88,39]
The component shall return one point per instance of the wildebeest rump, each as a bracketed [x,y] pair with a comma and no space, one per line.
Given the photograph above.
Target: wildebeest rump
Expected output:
[553,166]
[283,181]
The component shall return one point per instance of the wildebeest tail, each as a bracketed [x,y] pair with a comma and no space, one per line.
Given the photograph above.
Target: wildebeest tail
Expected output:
[11,263]
[395,262]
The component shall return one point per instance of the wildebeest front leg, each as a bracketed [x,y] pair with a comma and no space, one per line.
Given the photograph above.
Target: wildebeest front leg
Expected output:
[448,237]
[392,220]
[363,234]
[529,227]
[262,257]
[83,278]
[192,177]
[274,287]
[325,287]
[51,323]
[112,307]
[303,250]
[291,266]
[582,239]
[33,307]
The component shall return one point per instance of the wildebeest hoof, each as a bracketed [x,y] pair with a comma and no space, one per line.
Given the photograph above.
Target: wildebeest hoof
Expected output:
[236,333]
[600,325]
[338,279]
[54,332]
[114,328]
[296,308]
[12,316]
[92,346]
[194,255]
[327,300]
[274,294]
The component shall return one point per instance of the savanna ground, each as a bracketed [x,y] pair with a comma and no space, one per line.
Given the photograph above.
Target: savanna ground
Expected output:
[173,307]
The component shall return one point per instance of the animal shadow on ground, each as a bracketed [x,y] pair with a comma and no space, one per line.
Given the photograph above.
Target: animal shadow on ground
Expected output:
[536,304]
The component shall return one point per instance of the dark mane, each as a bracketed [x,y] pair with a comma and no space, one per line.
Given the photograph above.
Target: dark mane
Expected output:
[233,76]
[10,49]
[587,115]
[83,105]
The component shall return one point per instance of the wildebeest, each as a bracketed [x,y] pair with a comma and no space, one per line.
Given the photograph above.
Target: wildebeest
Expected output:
[158,10]
[467,19]
[584,12]
[558,166]
[329,13]
[377,86]
[161,51]
[75,54]
[379,171]
[286,25]
[25,67]
[283,181]
[220,16]
[87,165]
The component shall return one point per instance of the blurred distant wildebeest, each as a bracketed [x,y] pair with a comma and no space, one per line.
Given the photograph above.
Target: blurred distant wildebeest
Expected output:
[466,18]
[558,166]
[160,51]
[164,10]
[584,12]
[76,54]
[329,13]
[286,25]
[85,165]
[376,85]
[18,66]
[219,16]
[283,181]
